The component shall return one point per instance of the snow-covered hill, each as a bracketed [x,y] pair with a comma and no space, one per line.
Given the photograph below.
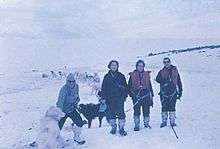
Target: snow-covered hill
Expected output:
[37,36]
[197,119]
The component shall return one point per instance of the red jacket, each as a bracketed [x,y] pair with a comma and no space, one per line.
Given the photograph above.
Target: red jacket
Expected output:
[140,80]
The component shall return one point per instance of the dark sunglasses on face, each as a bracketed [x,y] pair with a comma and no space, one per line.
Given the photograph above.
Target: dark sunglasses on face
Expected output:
[166,62]
[71,81]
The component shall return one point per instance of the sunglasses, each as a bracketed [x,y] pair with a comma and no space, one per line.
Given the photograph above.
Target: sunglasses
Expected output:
[166,62]
[71,81]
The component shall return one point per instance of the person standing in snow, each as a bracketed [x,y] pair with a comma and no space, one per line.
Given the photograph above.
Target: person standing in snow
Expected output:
[68,102]
[114,91]
[141,92]
[170,91]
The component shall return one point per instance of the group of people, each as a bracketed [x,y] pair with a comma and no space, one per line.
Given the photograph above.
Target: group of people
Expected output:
[115,90]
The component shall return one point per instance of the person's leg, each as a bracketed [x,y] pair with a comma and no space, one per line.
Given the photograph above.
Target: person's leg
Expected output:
[121,117]
[164,116]
[77,127]
[137,112]
[164,113]
[146,114]
[172,112]
[77,132]
[111,116]
[101,115]
[76,118]
[62,121]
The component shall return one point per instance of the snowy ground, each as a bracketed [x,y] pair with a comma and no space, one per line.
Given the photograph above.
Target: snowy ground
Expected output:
[25,98]
[47,35]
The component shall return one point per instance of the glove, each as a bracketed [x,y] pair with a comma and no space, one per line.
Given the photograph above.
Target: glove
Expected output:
[102,101]
[179,95]
[76,105]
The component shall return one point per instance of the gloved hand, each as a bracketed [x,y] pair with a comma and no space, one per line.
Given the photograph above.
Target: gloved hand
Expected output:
[179,94]
[165,84]
[102,101]
[76,106]
[76,103]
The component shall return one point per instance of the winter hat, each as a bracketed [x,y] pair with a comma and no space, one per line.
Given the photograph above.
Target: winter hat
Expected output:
[70,77]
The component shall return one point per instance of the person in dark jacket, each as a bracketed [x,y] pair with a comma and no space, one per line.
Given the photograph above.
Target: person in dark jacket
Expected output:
[68,101]
[170,91]
[141,91]
[114,91]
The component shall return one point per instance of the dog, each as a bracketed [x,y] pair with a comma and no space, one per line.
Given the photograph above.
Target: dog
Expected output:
[91,111]
[49,134]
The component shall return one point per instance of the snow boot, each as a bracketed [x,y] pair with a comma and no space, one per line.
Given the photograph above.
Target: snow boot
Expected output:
[136,128]
[146,122]
[163,124]
[172,117]
[77,132]
[121,124]
[136,123]
[122,132]
[164,116]
[113,124]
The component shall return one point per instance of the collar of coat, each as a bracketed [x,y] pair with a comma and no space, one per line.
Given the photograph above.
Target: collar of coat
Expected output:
[140,79]
[171,72]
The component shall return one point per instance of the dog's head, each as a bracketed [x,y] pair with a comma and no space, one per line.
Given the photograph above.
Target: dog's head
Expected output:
[82,108]
[55,113]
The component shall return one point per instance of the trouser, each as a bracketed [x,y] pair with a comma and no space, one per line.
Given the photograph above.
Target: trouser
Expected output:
[172,117]
[168,108]
[115,109]
[77,132]
[121,124]
[142,104]
[74,116]
[168,103]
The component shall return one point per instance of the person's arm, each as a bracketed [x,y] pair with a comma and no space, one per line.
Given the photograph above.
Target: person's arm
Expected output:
[130,87]
[159,78]
[151,90]
[61,98]
[125,86]
[179,83]
[104,89]
[77,94]
[180,88]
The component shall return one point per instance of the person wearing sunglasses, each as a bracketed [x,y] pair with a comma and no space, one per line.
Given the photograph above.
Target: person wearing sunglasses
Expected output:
[114,92]
[68,102]
[170,91]
[141,92]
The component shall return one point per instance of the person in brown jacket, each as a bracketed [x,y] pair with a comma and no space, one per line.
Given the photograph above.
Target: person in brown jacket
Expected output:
[141,92]
[170,91]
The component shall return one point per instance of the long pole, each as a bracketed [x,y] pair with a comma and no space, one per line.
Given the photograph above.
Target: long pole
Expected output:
[174,131]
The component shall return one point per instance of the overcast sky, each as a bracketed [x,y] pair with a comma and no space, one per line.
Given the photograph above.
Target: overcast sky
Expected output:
[115,18]
[55,31]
